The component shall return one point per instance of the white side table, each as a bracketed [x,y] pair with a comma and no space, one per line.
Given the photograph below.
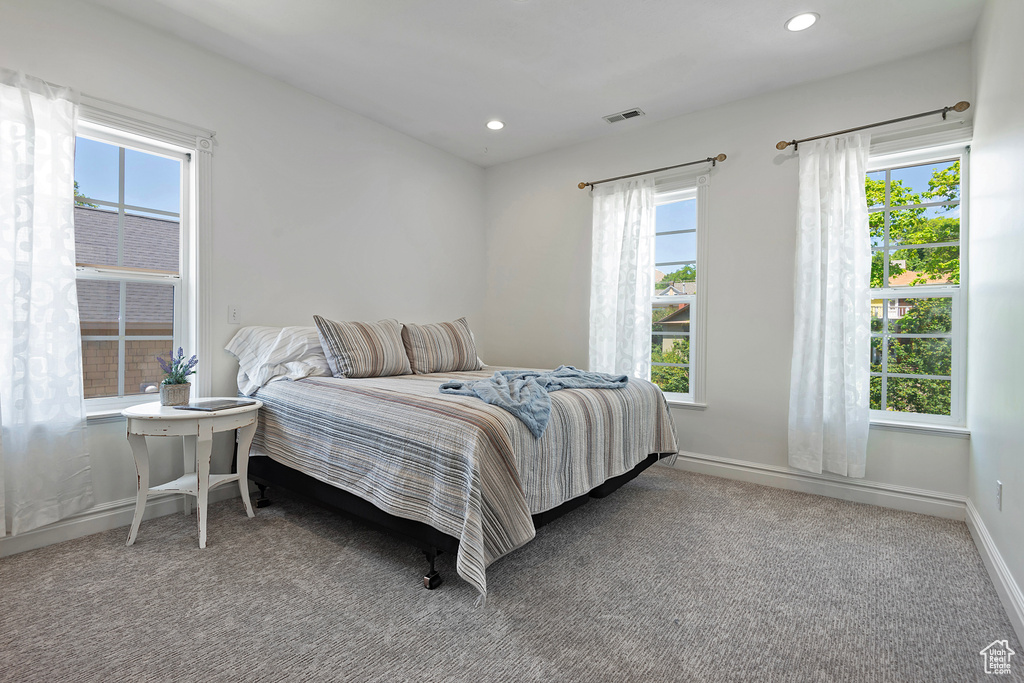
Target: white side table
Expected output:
[197,429]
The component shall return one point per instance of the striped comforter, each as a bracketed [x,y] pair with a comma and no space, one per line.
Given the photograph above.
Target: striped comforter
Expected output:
[468,469]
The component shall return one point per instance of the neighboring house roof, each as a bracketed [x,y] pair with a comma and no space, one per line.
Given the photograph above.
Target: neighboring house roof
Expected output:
[679,289]
[150,244]
[682,314]
[908,276]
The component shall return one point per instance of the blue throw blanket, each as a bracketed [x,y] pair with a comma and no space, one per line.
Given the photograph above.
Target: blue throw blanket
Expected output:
[524,393]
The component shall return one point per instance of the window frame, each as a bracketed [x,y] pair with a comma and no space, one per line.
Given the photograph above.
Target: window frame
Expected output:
[668,190]
[959,150]
[126,127]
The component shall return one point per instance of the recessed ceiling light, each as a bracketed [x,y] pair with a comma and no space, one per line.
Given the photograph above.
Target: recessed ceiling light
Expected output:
[802,21]
[495,124]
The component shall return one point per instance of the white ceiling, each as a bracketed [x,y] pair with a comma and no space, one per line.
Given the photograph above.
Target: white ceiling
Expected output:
[439,70]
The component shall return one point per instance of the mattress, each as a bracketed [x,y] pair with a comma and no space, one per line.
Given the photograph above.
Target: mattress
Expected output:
[470,470]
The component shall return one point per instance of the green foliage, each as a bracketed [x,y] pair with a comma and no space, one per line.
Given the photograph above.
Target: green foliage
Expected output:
[669,378]
[909,226]
[684,274]
[918,357]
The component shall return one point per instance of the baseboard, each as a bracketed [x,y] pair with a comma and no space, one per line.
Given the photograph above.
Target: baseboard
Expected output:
[1009,591]
[922,501]
[102,517]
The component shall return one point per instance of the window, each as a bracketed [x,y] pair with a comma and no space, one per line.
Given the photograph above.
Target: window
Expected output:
[679,292]
[139,196]
[917,320]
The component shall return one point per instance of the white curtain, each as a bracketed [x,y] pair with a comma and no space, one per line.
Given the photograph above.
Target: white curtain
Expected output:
[829,386]
[44,467]
[622,278]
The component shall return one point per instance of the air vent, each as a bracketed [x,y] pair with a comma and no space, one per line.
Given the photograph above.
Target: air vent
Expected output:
[623,115]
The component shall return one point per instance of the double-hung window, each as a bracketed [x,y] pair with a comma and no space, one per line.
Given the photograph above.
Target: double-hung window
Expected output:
[917,286]
[136,250]
[677,302]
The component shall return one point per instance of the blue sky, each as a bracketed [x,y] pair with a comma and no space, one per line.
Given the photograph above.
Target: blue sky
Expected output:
[151,181]
[676,216]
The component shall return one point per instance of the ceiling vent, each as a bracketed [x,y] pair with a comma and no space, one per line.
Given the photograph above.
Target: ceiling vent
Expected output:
[623,115]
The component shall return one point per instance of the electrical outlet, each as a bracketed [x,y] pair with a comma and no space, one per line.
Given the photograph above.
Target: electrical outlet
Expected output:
[234,317]
[999,495]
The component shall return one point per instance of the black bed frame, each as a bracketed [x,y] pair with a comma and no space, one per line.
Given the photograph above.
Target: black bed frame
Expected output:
[266,472]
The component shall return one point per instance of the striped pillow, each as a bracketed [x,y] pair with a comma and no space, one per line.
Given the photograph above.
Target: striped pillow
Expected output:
[440,347]
[363,349]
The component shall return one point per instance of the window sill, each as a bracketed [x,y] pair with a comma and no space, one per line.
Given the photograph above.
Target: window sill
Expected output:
[103,416]
[923,428]
[690,405]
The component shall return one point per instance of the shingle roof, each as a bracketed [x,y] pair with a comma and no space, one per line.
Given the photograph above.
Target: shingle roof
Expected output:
[149,243]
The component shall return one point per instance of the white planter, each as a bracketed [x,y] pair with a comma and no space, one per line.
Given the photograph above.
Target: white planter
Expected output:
[175,394]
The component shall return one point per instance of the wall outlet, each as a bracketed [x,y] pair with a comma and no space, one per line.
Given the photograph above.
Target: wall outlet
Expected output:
[999,495]
[234,316]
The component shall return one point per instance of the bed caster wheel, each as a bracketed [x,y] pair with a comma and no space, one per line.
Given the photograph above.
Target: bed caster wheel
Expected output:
[432,580]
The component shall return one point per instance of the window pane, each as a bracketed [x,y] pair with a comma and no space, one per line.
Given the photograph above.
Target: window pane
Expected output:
[667,348]
[941,226]
[921,316]
[97,168]
[151,243]
[677,281]
[875,187]
[99,368]
[151,181]
[142,373]
[924,266]
[671,379]
[680,215]
[671,318]
[98,307]
[877,308]
[876,354]
[915,356]
[923,396]
[149,310]
[675,247]
[876,393]
[927,182]
[95,236]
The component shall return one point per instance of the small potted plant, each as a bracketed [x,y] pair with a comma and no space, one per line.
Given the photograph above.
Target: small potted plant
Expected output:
[175,389]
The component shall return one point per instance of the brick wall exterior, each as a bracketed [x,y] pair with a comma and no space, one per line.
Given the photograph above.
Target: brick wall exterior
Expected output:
[99,365]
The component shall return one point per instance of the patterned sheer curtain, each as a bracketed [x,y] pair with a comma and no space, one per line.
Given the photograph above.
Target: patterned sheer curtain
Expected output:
[44,467]
[622,278]
[829,385]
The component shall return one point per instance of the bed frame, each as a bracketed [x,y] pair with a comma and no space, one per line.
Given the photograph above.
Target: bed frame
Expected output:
[268,473]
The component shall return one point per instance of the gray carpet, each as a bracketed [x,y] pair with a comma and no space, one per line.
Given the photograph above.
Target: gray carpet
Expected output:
[676,577]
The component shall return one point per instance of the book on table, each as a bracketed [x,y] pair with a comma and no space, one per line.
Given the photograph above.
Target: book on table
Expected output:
[212,405]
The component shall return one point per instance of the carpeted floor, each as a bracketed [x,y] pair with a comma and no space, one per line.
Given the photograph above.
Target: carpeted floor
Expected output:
[676,577]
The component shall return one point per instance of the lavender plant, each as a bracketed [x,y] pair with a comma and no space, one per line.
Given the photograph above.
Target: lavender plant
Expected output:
[177,368]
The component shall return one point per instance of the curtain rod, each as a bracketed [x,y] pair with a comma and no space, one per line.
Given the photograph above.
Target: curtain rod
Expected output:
[958,107]
[709,160]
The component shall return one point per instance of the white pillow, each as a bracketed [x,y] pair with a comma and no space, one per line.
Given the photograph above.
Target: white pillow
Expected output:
[266,354]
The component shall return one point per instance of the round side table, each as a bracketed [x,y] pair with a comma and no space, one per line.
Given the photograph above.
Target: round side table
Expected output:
[197,428]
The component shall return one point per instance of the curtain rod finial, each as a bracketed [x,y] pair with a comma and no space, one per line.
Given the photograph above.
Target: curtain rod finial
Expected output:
[721,157]
[961,106]
[782,144]
[582,185]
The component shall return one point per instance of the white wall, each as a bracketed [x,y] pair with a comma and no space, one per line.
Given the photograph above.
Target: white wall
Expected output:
[315,209]
[995,394]
[538,244]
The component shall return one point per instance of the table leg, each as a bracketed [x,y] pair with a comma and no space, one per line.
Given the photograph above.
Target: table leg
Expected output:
[204,447]
[188,448]
[244,439]
[141,455]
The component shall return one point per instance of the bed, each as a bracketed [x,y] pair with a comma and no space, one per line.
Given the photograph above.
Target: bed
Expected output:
[450,472]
